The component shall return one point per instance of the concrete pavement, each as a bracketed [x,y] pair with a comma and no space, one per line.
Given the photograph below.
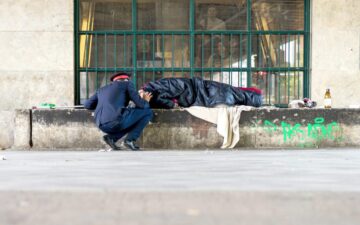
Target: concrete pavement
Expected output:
[180,187]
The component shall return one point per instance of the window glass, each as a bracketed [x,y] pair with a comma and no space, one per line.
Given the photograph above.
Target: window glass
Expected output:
[233,78]
[90,82]
[221,50]
[105,51]
[144,77]
[105,15]
[278,14]
[220,15]
[162,15]
[221,47]
[279,87]
[278,51]
[162,51]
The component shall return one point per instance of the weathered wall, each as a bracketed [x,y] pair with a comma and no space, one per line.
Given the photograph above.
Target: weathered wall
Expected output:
[22,129]
[175,129]
[64,129]
[336,51]
[36,42]
[76,129]
[303,128]
[6,129]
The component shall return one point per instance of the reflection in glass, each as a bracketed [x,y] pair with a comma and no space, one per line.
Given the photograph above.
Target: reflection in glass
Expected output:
[279,87]
[162,15]
[234,78]
[143,77]
[90,82]
[104,51]
[174,50]
[220,49]
[105,15]
[212,15]
[278,50]
[227,51]
[147,52]
[278,15]
[211,21]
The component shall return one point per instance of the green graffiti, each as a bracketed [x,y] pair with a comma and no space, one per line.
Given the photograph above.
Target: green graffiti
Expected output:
[269,126]
[320,131]
[290,131]
[317,131]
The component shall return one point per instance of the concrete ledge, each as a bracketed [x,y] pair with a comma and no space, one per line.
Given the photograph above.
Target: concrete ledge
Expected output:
[305,128]
[177,129]
[76,129]
[6,129]
[22,129]
[65,129]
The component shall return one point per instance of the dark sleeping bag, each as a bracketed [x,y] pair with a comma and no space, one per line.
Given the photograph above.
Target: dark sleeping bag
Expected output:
[198,92]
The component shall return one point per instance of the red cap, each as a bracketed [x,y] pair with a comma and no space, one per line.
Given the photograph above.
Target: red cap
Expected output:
[121,75]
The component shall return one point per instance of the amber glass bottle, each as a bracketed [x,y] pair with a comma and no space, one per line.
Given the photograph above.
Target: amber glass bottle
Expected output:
[327,99]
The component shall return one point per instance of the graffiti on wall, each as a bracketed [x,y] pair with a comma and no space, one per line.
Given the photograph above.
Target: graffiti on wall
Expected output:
[317,131]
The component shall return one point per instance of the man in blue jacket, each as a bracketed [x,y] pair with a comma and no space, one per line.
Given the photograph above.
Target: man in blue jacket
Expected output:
[114,117]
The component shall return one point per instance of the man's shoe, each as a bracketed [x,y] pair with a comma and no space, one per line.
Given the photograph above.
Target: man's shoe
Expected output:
[132,145]
[108,140]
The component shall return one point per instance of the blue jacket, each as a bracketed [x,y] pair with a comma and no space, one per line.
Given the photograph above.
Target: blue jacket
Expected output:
[111,100]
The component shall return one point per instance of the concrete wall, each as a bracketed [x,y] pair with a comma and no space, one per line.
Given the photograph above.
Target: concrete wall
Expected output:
[22,129]
[170,129]
[336,51]
[6,129]
[64,129]
[37,60]
[176,129]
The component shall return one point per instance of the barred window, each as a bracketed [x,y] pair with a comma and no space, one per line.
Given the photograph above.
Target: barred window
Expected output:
[261,43]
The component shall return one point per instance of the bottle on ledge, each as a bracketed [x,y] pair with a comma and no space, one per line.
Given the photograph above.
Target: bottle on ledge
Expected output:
[327,99]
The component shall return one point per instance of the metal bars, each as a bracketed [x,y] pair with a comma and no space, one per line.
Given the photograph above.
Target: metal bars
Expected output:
[275,61]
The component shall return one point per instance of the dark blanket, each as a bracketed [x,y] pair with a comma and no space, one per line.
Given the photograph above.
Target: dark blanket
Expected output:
[198,92]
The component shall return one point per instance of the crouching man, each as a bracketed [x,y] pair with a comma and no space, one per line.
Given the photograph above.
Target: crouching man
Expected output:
[112,115]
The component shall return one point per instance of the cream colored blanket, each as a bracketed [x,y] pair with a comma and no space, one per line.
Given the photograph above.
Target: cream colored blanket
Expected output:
[226,118]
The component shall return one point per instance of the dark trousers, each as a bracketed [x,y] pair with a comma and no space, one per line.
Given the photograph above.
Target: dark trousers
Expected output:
[131,122]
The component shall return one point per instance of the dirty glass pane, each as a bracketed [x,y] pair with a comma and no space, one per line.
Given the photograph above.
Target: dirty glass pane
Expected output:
[90,82]
[221,39]
[105,51]
[162,15]
[105,15]
[278,50]
[234,78]
[143,77]
[279,87]
[148,53]
[220,15]
[278,14]
[169,51]
[221,51]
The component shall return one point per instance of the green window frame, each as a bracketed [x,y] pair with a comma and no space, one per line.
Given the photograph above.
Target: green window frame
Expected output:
[281,83]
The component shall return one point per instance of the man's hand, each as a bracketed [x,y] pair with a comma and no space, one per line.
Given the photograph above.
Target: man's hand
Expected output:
[141,93]
[147,96]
